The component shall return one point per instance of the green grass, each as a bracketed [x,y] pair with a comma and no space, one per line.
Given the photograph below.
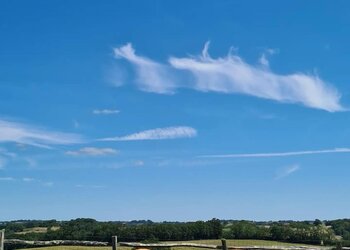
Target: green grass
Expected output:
[241,243]
[248,243]
[211,242]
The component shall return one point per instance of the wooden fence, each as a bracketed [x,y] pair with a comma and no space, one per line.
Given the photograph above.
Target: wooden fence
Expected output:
[223,246]
[144,246]
[2,239]
[38,243]
[167,245]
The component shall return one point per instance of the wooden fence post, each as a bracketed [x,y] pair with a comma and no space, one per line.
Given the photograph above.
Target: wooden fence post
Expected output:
[223,244]
[2,239]
[114,242]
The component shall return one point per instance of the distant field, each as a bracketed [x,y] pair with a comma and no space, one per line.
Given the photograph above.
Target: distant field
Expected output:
[213,242]
[37,230]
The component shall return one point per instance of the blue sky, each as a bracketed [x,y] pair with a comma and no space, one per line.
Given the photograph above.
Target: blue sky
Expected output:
[174,110]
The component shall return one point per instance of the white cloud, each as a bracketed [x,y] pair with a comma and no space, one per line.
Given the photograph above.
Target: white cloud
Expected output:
[27,179]
[280,154]
[115,75]
[263,58]
[287,171]
[92,151]
[26,134]
[157,134]
[105,111]
[7,179]
[231,74]
[151,76]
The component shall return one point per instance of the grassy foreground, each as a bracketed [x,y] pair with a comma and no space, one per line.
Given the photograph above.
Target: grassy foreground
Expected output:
[212,242]
[248,243]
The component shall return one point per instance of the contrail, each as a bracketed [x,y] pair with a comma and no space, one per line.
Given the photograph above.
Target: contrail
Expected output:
[279,154]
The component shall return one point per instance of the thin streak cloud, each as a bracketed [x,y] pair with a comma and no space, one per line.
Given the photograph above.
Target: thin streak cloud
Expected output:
[105,111]
[30,135]
[7,179]
[158,134]
[287,171]
[93,151]
[280,154]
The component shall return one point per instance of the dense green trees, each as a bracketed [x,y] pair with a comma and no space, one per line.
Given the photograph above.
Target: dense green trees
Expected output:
[89,229]
[246,230]
[302,232]
[341,227]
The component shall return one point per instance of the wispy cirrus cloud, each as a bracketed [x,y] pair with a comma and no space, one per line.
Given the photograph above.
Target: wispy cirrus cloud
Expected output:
[280,154]
[151,76]
[93,151]
[287,171]
[27,180]
[230,74]
[105,111]
[30,135]
[263,60]
[157,134]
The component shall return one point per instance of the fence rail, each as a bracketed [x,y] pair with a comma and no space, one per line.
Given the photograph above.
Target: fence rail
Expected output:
[137,245]
[224,247]
[54,243]
[39,243]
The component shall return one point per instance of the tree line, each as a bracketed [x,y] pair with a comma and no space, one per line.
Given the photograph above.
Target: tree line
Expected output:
[296,232]
[92,230]
[310,232]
